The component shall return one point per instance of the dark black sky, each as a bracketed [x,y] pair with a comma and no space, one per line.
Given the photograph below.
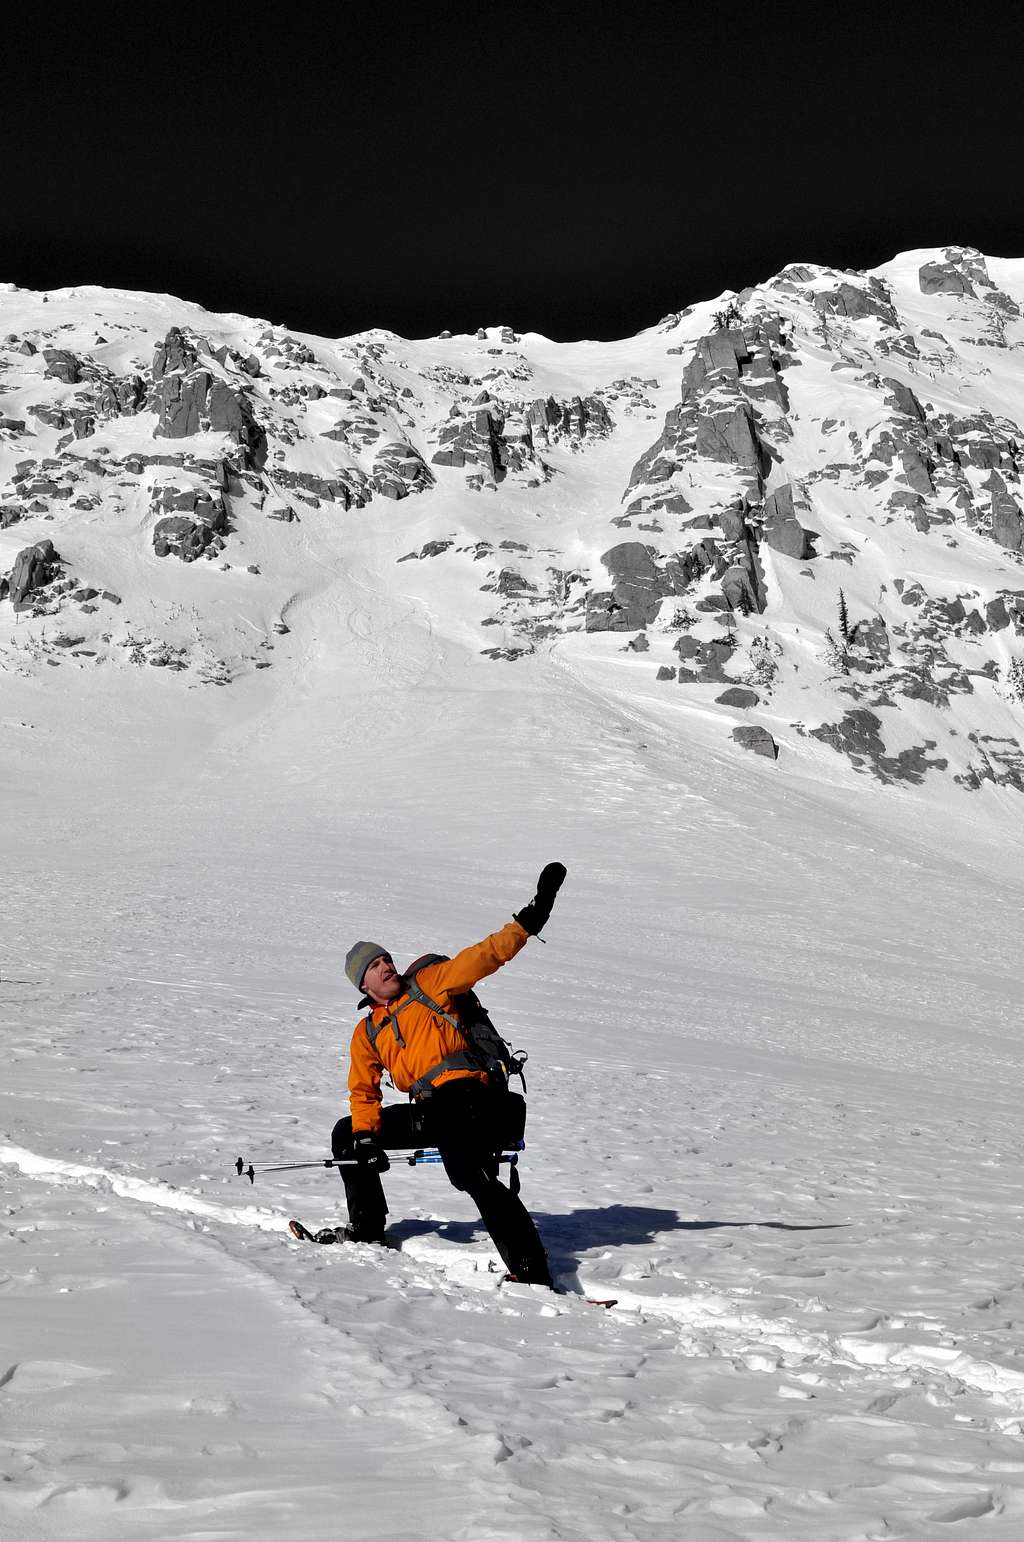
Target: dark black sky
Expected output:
[578,170]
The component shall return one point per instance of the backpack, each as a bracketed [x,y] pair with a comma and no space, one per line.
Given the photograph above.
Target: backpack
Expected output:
[485,1049]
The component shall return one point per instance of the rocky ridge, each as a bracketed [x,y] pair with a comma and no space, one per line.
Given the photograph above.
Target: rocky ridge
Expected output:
[799,507]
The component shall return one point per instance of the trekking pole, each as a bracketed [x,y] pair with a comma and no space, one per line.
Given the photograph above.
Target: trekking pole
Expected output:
[424,1156]
[288,1167]
[431,1154]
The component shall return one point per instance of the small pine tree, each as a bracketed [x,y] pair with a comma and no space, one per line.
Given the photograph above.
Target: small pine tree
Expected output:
[731,316]
[835,655]
[1013,677]
[844,619]
[763,663]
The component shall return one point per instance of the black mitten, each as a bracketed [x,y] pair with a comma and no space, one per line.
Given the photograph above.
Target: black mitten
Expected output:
[370,1154]
[534,915]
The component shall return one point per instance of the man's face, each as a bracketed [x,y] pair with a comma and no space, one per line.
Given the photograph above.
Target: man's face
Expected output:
[382,982]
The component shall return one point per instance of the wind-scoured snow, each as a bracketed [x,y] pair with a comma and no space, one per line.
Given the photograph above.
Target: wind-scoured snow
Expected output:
[774,1082]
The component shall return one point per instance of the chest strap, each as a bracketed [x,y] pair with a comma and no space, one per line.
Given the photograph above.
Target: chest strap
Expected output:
[390,1019]
[459,1060]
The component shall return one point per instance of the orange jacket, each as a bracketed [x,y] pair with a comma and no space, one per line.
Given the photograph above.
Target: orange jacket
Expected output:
[428,1039]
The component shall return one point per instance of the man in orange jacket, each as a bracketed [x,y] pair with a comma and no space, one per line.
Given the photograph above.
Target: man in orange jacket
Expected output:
[456,1104]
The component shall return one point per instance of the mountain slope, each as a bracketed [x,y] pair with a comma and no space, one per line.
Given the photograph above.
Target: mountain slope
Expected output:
[797,510]
[775,1067]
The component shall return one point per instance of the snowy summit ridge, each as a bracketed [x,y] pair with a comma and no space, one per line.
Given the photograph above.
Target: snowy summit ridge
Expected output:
[794,513]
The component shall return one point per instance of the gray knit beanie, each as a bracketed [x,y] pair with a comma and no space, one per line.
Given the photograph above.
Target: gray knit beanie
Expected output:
[359,958]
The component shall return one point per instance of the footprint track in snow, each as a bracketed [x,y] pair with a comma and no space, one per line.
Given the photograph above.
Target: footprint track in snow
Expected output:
[707,1324]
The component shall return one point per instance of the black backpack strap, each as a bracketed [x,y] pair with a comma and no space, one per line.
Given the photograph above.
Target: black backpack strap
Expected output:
[461,1060]
[374,1030]
[415,994]
[390,1020]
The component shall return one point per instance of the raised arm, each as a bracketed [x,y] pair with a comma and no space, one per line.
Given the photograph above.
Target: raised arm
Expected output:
[463,971]
[474,963]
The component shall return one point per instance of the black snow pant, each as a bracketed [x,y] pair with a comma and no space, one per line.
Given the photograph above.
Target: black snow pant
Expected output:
[469,1123]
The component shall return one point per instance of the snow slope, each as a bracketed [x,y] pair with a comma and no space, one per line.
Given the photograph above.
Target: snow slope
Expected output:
[774,1080]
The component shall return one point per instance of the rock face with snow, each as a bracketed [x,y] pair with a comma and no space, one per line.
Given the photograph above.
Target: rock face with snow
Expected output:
[494,438]
[190,399]
[34,567]
[783,532]
[639,584]
[193,526]
[803,503]
[756,739]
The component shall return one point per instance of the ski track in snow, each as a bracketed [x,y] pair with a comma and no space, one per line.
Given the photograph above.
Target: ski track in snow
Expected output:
[707,1323]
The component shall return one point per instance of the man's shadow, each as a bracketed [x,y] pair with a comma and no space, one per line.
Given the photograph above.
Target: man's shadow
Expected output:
[566,1236]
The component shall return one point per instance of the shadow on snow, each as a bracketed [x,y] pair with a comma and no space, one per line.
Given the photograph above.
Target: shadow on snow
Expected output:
[567,1236]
